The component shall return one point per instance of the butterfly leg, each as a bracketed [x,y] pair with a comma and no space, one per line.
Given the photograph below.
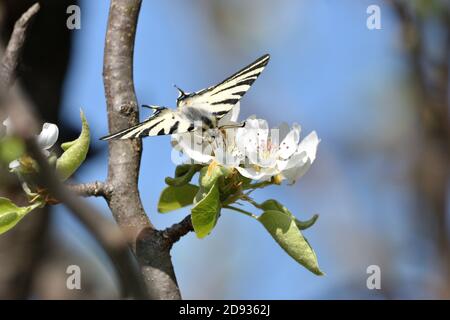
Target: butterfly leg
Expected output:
[156,108]
[232,126]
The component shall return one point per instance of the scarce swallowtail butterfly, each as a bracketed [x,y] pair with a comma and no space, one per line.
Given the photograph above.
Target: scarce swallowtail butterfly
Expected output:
[206,106]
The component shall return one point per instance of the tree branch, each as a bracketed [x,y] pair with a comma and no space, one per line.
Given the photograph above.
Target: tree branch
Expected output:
[104,231]
[107,234]
[12,53]
[26,124]
[125,155]
[176,231]
[93,189]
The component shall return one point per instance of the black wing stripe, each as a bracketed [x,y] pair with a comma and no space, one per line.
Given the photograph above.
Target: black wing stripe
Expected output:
[228,88]
[244,82]
[227,101]
[239,93]
[254,67]
[261,62]
[146,131]
[247,82]
[174,127]
[220,113]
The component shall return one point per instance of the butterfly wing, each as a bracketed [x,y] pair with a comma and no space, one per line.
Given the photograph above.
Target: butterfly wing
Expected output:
[163,121]
[215,101]
[221,98]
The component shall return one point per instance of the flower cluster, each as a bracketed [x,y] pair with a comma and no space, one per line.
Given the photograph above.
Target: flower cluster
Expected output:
[255,150]
[14,153]
[232,161]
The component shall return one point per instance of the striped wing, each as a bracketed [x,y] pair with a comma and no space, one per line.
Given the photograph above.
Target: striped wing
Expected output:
[163,121]
[221,98]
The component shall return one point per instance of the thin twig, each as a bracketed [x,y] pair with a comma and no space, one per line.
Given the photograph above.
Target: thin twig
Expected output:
[12,53]
[241,211]
[258,185]
[106,232]
[25,124]
[176,231]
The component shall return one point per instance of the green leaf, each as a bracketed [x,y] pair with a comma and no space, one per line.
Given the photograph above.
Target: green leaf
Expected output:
[302,225]
[11,148]
[183,174]
[272,204]
[205,213]
[284,230]
[74,152]
[173,198]
[10,214]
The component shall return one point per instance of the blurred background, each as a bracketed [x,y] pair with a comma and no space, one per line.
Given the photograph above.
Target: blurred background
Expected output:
[378,99]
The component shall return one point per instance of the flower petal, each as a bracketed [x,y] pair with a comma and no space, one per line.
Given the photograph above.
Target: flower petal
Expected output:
[48,136]
[251,173]
[194,146]
[309,145]
[292,175]
[290,142]
[14,164]
[252,137]
[232,116]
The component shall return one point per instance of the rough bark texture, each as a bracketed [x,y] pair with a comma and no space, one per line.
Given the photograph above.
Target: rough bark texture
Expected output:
[151,248]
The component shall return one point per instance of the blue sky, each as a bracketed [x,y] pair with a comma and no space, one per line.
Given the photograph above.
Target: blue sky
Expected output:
[327,72]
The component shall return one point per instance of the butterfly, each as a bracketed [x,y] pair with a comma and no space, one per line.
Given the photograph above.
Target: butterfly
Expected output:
[200,109]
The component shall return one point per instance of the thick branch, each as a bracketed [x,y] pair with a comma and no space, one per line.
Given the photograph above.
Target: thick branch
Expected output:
[93,189]
[125,155]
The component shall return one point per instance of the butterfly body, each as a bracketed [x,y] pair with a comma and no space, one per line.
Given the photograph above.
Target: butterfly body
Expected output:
[201,109]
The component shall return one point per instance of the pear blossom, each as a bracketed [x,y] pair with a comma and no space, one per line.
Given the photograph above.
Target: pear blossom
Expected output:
[213,144]
[45,139]
[255,150]
[275,152]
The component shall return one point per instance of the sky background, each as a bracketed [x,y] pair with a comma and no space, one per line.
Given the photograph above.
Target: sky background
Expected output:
[328,73]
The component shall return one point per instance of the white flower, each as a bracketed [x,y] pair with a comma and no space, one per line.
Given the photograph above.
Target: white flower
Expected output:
[45,140]
[300,161]
[255,150]
[214,144]
[48,137]
[275,152]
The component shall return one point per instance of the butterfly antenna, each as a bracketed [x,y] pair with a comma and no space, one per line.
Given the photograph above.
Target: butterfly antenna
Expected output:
[181,93]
